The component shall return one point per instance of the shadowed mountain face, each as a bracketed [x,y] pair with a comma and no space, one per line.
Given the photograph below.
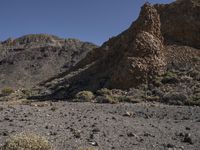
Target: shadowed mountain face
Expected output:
[163,37]
[28,60]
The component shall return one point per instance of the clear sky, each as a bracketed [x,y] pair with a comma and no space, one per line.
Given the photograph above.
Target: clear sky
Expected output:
[88,20]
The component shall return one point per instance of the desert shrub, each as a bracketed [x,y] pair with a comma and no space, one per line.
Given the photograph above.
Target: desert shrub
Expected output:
[196,58]
[169,77]
[194,100]
[157,82]
[7,91]
[152,98]
[175,98]
[158,92]
[137,93]
[107,99]
[85,96]
[104,91]
[26,141]
[124,98]
[195,74]
[106,96]
[115,96]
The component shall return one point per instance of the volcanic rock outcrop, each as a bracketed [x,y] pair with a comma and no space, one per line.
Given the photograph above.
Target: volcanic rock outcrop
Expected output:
[28,60]
[163,37]
[180,22]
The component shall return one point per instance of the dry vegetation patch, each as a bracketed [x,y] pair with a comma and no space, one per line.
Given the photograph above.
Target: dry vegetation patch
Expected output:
[27,141]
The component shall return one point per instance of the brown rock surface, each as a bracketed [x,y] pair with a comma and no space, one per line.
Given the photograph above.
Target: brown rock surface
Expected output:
[181,22]
[144,55]
[155,42]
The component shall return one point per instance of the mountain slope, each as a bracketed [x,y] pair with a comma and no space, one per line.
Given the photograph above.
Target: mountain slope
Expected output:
[28,60]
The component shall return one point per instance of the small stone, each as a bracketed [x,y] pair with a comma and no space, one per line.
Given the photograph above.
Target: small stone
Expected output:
[53,133]
[93,143]
[130,134]
[169,145]
[4,133]
[77,133]
[187,128]
[128,114]
[187,138]
[95,130]
[1,108]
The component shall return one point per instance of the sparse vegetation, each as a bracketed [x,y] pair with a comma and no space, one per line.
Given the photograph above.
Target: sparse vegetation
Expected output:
[85,96]
[106,96]
[194,100]
[109,96]
[175,98]
[7,91]
[104,91]
[157,81]
[152,98]
[170,77]
[27,141]
[196,58]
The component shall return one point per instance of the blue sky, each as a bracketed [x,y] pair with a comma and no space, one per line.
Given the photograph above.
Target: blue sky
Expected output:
[88,20]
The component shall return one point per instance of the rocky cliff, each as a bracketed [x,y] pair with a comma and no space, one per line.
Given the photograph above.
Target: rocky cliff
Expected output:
[163,37]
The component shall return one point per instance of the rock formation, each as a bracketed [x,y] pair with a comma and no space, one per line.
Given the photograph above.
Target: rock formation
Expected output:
[163,36]
[180,22]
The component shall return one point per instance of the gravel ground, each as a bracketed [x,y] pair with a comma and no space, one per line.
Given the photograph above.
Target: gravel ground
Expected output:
[124,126]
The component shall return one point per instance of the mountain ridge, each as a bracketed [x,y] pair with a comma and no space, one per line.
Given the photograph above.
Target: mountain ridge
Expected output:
[27,60]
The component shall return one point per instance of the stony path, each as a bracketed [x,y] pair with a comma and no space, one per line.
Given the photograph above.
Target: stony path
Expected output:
[69,126]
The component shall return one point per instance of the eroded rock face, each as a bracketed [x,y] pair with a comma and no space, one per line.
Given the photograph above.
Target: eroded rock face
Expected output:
[144,56]
[181,22]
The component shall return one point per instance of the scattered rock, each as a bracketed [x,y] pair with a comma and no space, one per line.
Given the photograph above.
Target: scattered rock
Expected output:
[187,138]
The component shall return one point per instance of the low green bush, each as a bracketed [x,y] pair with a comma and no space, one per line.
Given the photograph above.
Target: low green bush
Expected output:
[170,78]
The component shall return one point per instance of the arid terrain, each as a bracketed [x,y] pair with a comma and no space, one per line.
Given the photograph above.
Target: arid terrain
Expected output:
[70,126]
[28,60]
[140,90]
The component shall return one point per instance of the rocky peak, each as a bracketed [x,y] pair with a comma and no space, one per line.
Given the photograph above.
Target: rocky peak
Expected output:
[43,40]
[148,21]
[145,55]
[36,38]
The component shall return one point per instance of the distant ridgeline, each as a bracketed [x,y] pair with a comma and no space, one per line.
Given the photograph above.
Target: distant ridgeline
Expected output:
[28,60]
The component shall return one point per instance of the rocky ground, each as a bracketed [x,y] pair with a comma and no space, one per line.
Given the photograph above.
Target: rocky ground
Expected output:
[121,126]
